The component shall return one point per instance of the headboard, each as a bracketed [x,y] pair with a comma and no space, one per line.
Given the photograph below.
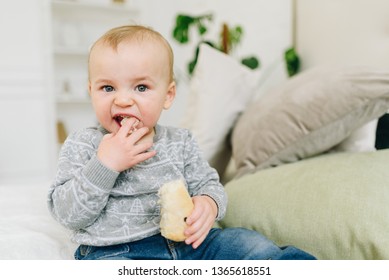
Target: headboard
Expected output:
[342,32]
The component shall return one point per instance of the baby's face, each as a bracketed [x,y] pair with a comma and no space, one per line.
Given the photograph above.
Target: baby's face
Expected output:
[132,81]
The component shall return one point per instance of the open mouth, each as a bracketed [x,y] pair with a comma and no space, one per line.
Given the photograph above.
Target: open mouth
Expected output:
[120,119]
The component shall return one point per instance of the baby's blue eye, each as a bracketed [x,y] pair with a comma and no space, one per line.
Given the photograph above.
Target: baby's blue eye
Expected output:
[108,88]
[141,88]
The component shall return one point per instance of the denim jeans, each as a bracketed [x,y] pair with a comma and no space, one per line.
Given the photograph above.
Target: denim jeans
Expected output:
[226,244]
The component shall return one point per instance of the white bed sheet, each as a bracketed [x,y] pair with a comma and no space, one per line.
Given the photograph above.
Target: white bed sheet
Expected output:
[27,229]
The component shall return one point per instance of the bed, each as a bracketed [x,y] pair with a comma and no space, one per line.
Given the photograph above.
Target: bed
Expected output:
[27,230]
[298,160]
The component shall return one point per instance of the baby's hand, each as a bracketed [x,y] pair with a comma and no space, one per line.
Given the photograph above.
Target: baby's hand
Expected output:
[122,150]
[201,220]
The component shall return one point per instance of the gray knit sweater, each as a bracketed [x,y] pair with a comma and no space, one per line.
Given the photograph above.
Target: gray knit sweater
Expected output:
[104,207]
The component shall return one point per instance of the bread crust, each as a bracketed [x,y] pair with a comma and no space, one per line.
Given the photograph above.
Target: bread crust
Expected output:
[176,205]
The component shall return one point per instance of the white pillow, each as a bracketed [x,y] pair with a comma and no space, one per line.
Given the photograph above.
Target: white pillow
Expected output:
[220,90]
[361,140]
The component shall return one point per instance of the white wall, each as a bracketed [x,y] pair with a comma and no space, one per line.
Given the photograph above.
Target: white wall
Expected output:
[266,24]
[343,32]
[27,133]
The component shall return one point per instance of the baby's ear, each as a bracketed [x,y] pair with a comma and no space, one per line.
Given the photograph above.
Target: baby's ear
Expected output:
[170,95]
[89,87]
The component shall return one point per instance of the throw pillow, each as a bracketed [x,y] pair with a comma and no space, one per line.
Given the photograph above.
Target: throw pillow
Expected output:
[361,140]
[334,206]
[220,90]
[308,115]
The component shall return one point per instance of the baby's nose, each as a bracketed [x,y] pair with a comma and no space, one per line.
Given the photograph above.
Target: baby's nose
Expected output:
[124,99]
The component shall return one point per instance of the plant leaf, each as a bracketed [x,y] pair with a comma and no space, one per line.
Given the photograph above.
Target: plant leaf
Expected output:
[292,61]
[251,62]
[202,29]
[181,29]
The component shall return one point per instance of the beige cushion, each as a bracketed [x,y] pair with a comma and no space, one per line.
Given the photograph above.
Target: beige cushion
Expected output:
[308,115]
[334,206]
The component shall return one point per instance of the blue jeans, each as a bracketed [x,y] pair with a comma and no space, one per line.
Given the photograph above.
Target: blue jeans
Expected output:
[226,244]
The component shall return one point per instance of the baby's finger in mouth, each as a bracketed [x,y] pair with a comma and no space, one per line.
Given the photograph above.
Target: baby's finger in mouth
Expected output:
[133,127]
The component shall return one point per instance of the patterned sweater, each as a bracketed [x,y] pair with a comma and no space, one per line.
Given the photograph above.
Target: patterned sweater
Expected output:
[104,207]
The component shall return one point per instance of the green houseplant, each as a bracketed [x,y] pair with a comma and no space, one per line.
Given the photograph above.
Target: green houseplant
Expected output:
[229,38]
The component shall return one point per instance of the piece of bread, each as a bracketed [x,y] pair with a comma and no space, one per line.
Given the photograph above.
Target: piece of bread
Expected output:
[176,206]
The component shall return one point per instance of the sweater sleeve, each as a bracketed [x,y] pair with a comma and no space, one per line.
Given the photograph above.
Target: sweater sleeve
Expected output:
[201,178]
[82,184]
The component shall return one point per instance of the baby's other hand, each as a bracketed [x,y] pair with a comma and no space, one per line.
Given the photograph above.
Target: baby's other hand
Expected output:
[201,220]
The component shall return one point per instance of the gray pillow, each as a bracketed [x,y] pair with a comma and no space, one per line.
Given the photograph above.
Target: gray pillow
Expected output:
[308,115]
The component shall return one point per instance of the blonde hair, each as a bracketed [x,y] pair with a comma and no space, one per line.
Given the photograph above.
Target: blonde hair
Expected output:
[140,33]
